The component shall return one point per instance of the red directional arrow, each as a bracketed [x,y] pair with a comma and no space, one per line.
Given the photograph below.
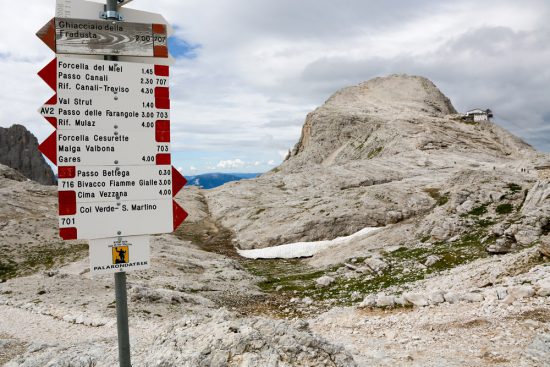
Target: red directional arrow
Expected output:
[49,147]
[178,181]
[51,101]
[49,74]
[179,214]
[47,34]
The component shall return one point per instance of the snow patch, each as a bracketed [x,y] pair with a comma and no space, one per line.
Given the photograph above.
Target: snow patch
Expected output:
[304,249]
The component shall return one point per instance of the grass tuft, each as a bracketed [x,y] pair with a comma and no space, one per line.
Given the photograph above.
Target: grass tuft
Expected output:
[504,208]
[437,196]
[374,152]
[479,210]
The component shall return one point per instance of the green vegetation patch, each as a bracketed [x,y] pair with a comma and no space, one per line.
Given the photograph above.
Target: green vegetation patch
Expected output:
[514,187]
[294,278]
[37,258]
[374,152]
[484,223]
[441,199]
[8,269]
[283,274]
[504,208]
[546,227]
[479,210]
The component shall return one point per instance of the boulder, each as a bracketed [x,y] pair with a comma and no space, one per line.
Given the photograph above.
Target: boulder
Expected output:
[502,292]
[376,264]
[472,297]
[544,246]
[385,301]
[401,301]
[431,260]
[543,288]
[324,281]
[451,297]
[436,297]
[416,299]
[369,301]
[522,291]
[501,246]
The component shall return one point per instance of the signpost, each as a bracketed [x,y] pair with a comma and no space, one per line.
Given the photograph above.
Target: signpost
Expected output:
[99,183]
[91,79]
[104,37]
[104,147]
[112,137]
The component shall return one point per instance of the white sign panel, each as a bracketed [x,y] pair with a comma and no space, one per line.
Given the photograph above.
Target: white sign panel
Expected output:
[113,255]
[108,219]
[90,10]
[104,112]
[107,148]
[129,82]
[109,183]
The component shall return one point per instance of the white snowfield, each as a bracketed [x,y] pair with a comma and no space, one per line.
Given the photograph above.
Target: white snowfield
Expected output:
[304,249]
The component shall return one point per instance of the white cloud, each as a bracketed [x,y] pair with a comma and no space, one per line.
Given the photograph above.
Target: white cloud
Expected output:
[271,162]
[230,164]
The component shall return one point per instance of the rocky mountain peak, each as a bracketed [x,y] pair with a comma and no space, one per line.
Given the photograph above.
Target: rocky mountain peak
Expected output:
[19,150]
[396,92]
[393,115]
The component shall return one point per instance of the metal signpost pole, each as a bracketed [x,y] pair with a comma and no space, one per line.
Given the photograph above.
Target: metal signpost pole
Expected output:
[121,296]
[122,320]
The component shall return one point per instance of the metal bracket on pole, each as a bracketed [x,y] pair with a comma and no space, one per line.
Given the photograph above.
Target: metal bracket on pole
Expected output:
[110,14]
[123,2]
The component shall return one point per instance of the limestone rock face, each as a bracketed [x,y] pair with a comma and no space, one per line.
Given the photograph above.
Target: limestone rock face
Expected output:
[354,114]
[19,150]
[389,152]
[221,341]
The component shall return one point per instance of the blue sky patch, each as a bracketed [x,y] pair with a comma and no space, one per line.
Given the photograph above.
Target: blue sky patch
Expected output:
[181,49]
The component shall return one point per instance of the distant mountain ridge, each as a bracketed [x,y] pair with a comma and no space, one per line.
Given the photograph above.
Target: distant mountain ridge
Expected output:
[19,150]
[212,180]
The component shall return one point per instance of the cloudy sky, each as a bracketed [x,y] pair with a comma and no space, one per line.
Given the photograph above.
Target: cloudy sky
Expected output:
[248,71]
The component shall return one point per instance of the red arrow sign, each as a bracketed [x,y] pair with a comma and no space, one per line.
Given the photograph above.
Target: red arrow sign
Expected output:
[49,74]
[179,215]
[47,34]
[49,147]
[178,181]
